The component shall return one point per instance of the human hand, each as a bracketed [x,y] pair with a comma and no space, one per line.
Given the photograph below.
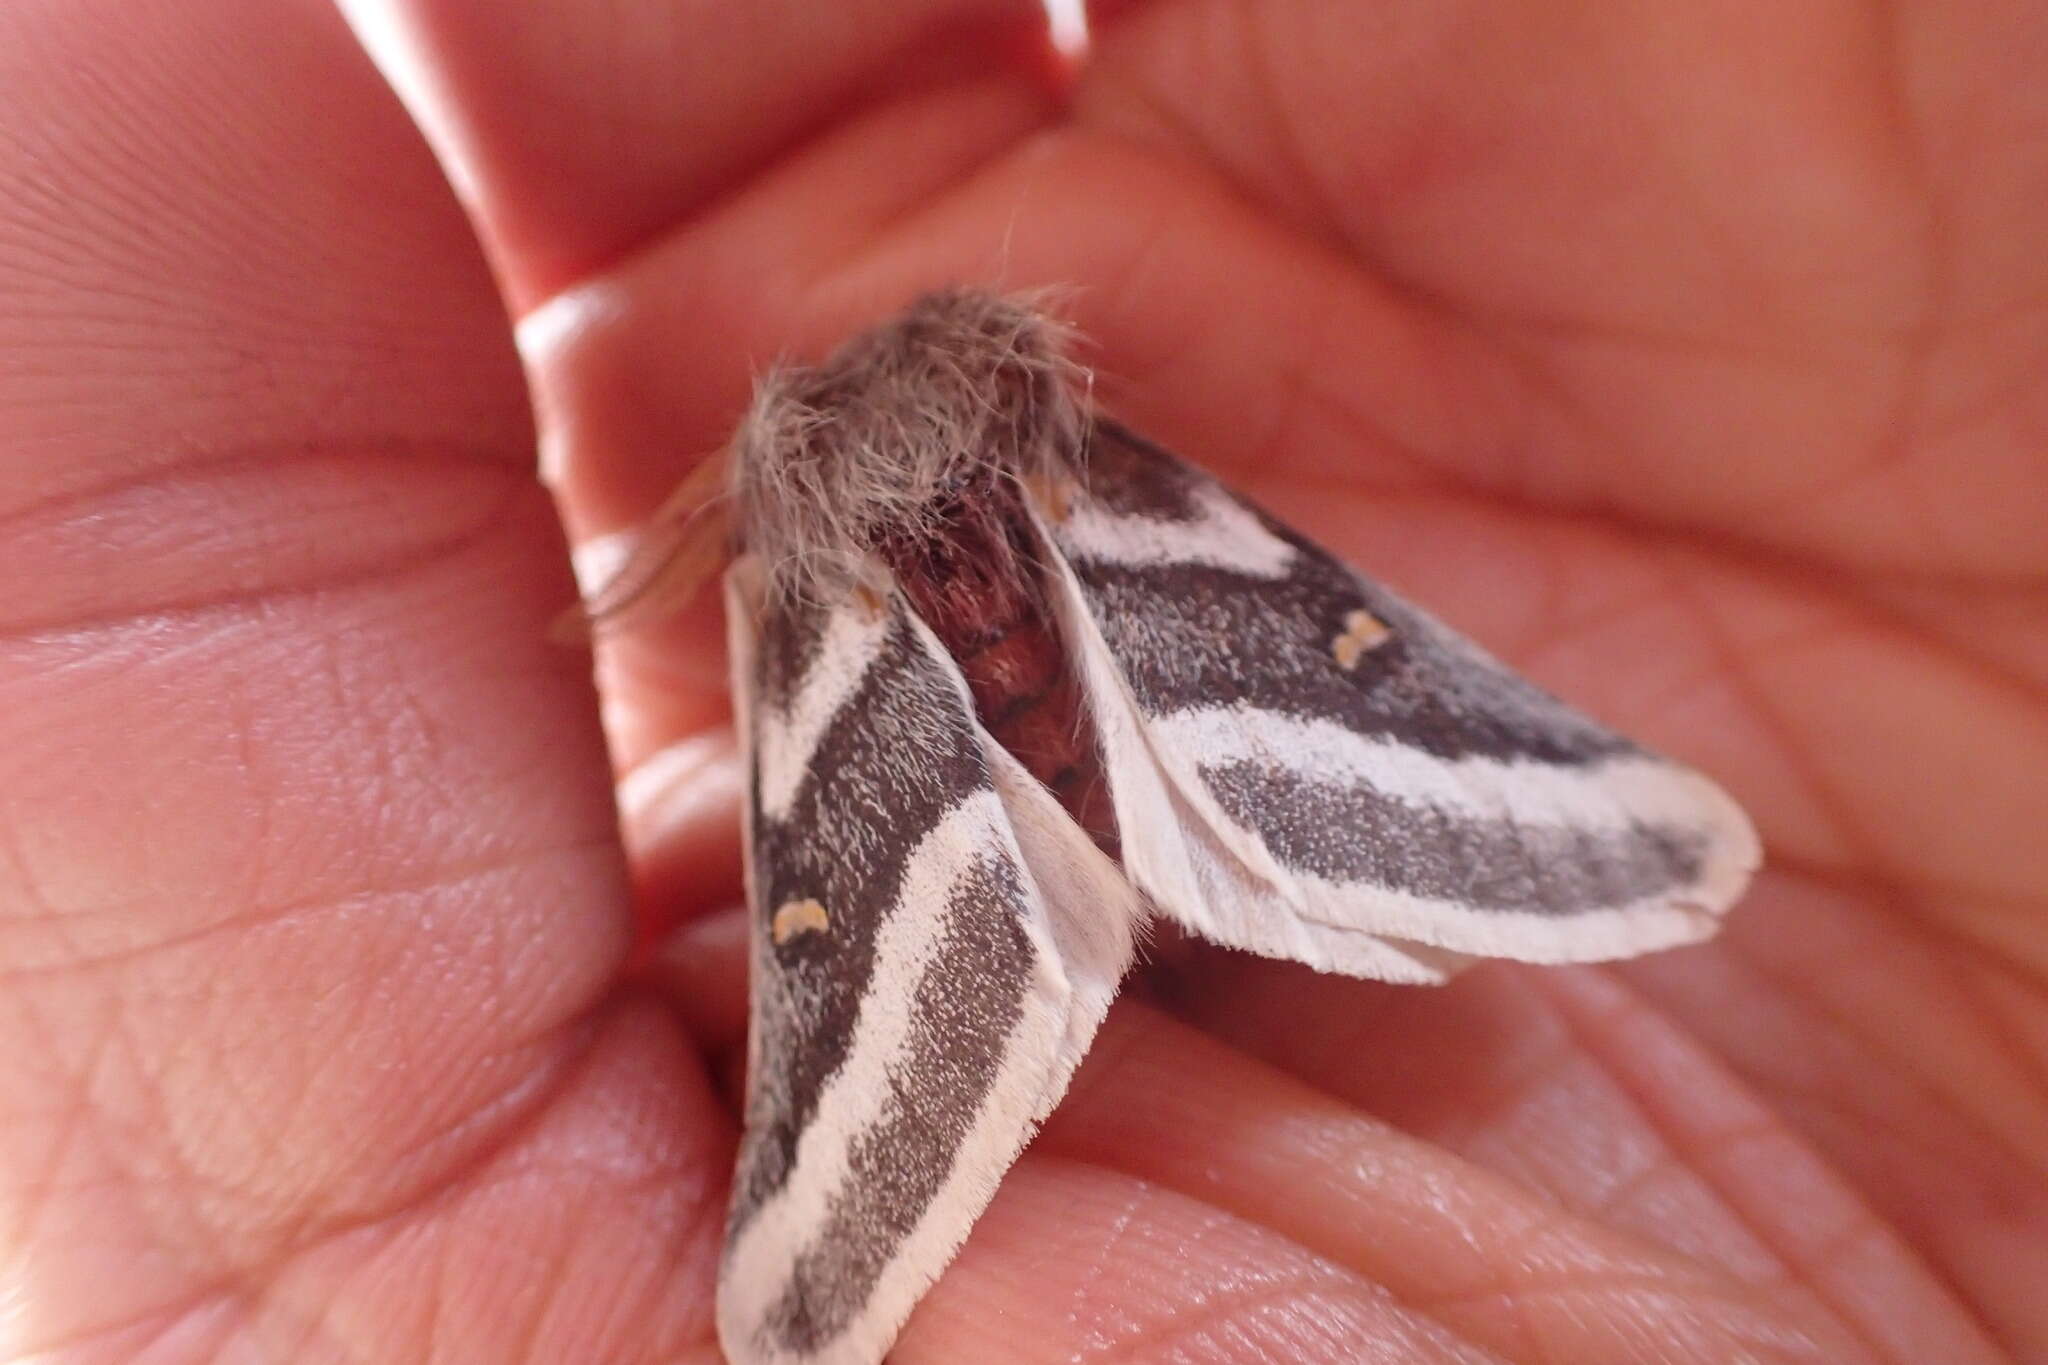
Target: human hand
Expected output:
[1686,359]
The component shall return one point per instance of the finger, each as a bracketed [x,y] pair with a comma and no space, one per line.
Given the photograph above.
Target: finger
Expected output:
[1701,247]
[1570,1089]
[680,815]
[701,968]
[1496,167]
[1867,1033]
[584,131]
[1072,1262]
[1493,1262]
[311,889]
[644,371]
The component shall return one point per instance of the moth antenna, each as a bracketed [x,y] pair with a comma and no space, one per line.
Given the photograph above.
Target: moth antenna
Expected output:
[679,548]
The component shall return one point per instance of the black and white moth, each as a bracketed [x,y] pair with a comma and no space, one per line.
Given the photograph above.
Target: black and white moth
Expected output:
[1012,682]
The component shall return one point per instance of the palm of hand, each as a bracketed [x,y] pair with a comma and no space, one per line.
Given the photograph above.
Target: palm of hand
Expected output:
[1687,367]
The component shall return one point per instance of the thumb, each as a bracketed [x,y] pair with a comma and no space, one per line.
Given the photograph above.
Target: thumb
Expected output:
[310,895]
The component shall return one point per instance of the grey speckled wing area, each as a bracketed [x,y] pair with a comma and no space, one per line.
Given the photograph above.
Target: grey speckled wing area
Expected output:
[1352,762]
[912,1018]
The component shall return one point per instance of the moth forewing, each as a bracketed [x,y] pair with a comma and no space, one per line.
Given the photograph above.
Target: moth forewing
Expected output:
[926,969]
[1192,865]
[1412,790]
[1093,912]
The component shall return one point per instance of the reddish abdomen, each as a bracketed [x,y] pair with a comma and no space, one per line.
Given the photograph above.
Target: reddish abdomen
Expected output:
[976,585]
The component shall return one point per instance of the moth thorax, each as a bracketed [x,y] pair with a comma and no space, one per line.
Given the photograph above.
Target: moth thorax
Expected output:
[899,434]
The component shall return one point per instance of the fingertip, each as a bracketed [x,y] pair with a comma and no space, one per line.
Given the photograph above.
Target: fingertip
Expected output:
[586,131]
[679,813]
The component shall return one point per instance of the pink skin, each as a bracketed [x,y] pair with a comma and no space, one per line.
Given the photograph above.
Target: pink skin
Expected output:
[1690,356]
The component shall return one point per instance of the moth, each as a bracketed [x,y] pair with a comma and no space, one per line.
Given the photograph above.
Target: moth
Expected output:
[1013,683]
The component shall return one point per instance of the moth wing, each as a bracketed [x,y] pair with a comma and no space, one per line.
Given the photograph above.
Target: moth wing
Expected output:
[1305,766]
[933,945]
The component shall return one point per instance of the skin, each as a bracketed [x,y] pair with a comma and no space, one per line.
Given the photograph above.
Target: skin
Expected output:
[1689,356]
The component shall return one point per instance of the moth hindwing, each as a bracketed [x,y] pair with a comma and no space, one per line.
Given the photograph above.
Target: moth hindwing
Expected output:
[1013,681]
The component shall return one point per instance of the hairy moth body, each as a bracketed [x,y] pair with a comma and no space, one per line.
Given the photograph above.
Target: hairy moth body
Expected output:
[1012,682]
